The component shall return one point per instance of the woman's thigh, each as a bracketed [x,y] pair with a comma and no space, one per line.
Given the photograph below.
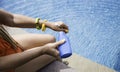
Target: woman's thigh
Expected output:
[33,40]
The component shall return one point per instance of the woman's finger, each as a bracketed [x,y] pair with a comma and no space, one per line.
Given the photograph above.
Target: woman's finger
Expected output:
[59,58]
[60,42]
[54,52]
[64,26]
[64,30]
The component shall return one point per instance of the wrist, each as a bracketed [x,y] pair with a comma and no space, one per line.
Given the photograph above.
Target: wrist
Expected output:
[43,24]
[47,24]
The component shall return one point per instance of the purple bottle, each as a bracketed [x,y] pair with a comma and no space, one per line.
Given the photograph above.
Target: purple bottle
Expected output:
[65,48]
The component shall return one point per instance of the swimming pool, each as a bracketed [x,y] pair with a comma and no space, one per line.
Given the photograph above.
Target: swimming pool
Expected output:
[94,25]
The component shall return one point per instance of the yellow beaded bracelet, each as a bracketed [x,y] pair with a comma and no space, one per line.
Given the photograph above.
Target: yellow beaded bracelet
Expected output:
[38,27]
[43,28]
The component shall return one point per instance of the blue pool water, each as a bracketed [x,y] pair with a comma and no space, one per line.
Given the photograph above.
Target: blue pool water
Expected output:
[94,24]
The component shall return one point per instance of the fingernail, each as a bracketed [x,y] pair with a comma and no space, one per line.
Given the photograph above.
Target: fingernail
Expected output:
[63,40]
[66,31]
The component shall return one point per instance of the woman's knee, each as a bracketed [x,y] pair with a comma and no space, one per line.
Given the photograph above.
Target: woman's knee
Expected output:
[51,38]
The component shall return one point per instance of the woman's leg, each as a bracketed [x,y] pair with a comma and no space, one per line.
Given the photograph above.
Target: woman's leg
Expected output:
[33,40]
[28,41]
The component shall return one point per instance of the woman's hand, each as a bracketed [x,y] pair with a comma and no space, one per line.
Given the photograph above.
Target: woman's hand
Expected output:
[58,26]
[51,48]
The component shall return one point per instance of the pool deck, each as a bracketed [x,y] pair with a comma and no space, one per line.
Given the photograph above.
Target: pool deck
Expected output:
[77,62]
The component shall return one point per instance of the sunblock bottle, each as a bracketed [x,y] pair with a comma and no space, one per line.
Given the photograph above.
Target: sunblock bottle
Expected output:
[65,48]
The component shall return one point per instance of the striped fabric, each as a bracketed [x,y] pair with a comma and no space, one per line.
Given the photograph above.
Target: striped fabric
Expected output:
[6,45]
